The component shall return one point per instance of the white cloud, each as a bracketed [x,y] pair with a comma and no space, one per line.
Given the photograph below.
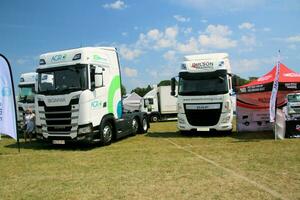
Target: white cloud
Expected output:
[249,40]
[130,72]
[21,61]
[293,39]
[247,66]
[181,18]
[117,5]
[190,47]
[266,29]
[124,34]
[247,26]
[217,36]
[158,39]
[204,21]
[187,30]
[129,54]
[170,55]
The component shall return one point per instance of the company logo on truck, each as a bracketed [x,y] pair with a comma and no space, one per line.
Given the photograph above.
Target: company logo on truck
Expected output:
[59,58]
[203,65]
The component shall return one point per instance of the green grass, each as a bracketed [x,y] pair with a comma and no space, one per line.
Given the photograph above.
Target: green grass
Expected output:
[151,167]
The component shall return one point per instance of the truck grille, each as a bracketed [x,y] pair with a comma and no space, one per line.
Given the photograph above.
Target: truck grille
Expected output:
[203,117]
[59,120]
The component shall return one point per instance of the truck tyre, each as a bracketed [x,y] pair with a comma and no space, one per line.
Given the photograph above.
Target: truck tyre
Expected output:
[106,133]
[135,126]
[154,118]
[184,133]
[144,127]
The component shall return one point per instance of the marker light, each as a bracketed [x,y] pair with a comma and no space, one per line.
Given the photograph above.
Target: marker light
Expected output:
[42,62]
[77,57]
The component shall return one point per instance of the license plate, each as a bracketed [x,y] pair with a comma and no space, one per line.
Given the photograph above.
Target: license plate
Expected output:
[202,129]
[202,106]
[58,142]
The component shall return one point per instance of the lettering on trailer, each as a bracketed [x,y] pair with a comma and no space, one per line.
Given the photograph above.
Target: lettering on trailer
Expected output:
[203,65]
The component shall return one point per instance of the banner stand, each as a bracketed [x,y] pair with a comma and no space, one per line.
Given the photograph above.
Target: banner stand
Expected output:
[14,99]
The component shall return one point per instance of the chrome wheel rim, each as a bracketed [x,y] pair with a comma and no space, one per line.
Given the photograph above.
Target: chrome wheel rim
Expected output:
[135,125]
[145,125]
[107,133]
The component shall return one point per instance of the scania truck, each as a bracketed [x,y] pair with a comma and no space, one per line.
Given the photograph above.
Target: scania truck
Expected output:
[26,96]
[79,97]
[204,93]
[159,104]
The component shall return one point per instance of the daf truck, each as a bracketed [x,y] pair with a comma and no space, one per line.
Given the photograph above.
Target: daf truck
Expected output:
[204,93]
[26,96]
[159,104]
[79,97]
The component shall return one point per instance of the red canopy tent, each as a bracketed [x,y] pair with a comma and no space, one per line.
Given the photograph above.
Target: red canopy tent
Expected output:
[253,98]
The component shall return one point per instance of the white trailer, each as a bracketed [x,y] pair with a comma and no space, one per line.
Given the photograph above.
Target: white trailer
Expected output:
[204,93]
[26,96]
[159,104]
[79,97]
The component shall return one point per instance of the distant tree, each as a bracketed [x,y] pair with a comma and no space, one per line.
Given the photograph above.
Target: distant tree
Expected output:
[164,83]
[142,91]
[123,90]
[251,78]
[238,81]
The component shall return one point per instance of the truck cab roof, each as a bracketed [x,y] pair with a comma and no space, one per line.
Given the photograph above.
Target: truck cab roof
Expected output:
[84,55]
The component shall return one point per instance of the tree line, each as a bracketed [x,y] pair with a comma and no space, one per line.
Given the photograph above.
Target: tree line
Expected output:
[236,82]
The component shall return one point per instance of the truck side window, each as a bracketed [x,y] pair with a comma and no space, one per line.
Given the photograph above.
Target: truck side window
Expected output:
[92,75]
[150,101]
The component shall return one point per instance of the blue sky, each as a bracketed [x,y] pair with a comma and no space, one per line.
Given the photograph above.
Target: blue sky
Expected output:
[153,36]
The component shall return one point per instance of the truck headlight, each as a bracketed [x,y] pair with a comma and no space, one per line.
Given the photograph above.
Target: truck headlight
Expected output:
[38,130]
[180,108]
[85,129]
[227,106]
[291,111]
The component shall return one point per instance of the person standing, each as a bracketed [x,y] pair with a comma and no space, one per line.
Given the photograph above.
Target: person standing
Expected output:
[29,124]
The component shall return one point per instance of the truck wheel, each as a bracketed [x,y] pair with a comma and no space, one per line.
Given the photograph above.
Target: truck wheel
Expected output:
[154,118]
[144,127]
[135,126]
[184,133]
[106,133]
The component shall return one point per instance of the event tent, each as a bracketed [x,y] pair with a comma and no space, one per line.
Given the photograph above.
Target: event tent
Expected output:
[132,102]
[253,98]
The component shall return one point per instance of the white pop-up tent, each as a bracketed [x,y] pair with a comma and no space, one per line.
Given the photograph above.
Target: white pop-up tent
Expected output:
[132,102]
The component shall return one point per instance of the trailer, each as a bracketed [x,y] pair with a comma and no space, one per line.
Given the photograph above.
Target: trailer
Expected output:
[79,98]
[159,104]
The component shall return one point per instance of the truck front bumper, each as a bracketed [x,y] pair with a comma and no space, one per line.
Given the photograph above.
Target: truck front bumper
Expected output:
[224,123]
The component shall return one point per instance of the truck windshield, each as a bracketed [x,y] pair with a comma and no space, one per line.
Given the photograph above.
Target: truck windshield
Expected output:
[203,83]
[26,93]
[62,80]
[294,98]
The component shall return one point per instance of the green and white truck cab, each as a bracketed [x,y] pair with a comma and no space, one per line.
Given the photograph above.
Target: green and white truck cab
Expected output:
[79,97]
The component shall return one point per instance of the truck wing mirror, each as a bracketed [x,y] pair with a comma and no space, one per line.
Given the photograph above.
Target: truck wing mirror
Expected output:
[173,86]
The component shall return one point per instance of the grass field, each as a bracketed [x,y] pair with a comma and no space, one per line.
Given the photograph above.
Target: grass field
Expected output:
[161,164]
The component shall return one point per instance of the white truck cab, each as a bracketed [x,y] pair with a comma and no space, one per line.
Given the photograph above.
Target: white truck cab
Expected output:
[79,97]
[204,93]
[159,104]
[292,114]
[26,96]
